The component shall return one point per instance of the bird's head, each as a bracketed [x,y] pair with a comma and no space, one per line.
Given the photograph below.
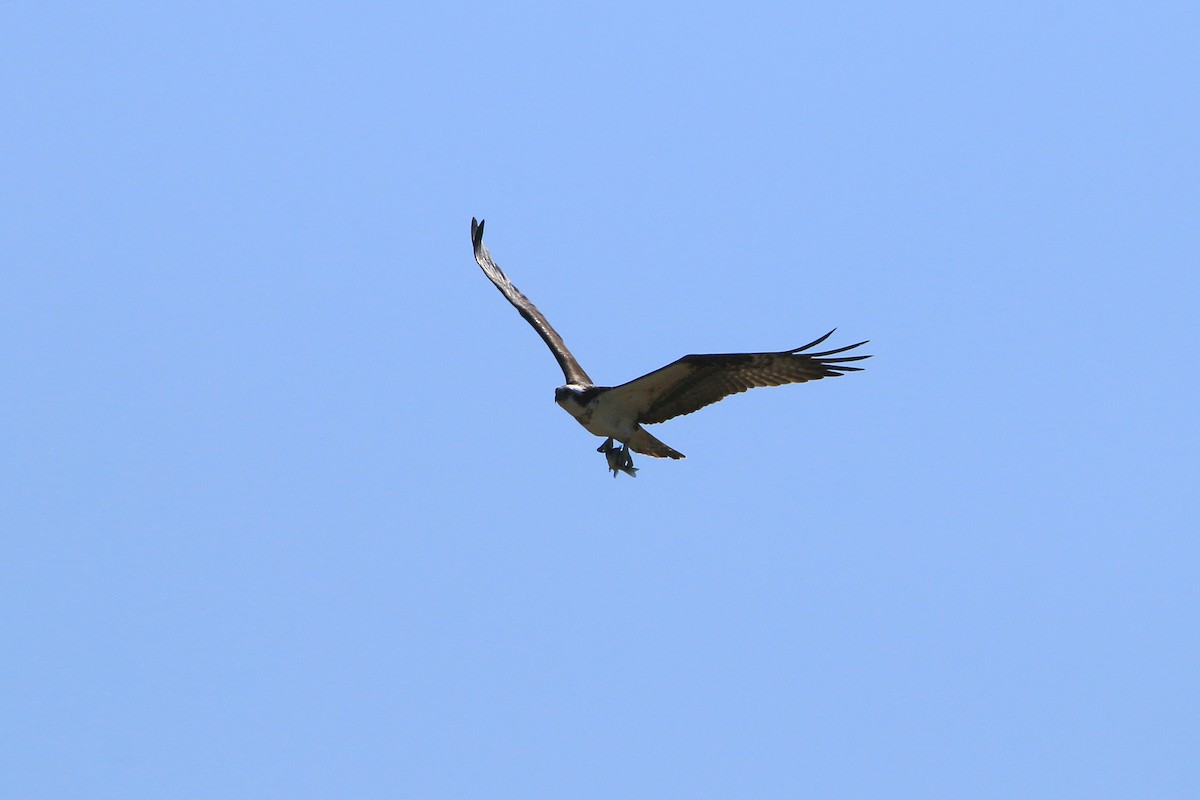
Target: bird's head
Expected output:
[575,398]
[569,395]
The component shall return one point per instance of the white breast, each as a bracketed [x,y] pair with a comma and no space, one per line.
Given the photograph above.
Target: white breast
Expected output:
[609,418]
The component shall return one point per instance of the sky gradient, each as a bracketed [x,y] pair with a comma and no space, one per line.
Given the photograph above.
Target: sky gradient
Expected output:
[289,510]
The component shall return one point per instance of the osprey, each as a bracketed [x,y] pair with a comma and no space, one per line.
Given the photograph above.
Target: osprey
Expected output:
[617,413]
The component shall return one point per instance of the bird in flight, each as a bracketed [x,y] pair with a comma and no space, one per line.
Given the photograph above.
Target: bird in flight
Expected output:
[617,413]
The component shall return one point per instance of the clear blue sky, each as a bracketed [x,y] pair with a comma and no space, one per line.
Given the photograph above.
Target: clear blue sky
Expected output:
[288,509]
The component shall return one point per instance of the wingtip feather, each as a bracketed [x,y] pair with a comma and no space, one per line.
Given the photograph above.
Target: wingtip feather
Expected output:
[813,343]
[836,351]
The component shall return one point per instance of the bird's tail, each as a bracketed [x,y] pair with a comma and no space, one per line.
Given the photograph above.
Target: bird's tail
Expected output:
[642,442]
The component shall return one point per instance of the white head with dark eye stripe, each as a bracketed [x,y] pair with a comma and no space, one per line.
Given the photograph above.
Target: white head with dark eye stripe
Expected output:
[571,394]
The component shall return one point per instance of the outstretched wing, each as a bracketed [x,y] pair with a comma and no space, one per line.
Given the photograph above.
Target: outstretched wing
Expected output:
[528,310]
[693,382]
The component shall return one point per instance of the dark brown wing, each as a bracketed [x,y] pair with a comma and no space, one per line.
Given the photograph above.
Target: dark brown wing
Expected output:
[527,309]
[693,382]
